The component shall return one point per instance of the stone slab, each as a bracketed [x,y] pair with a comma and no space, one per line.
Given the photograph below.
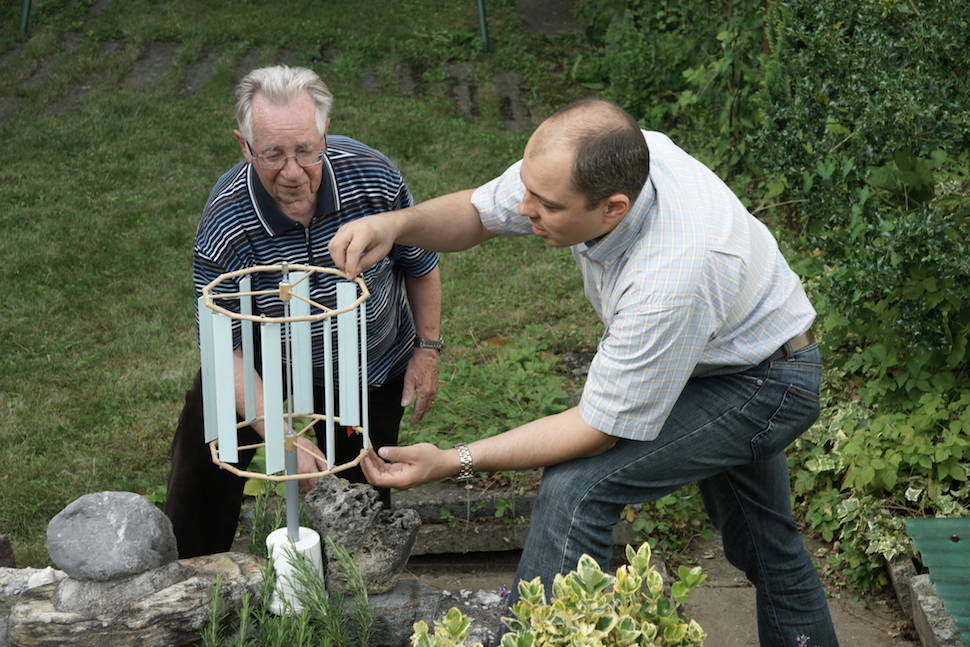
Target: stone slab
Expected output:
[457,520]
[934,626]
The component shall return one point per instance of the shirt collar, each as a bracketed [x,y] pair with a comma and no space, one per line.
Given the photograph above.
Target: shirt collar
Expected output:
[272,217]
[613,245]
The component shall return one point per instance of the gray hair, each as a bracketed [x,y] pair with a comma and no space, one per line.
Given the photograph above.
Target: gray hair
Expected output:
[280,84]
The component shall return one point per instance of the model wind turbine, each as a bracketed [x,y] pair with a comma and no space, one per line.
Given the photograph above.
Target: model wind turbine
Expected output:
[286,354]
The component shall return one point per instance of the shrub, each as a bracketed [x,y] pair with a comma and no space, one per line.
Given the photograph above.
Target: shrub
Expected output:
[688,68]
[590,607]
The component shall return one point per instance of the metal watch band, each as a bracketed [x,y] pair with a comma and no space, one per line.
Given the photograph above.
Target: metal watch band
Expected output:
[466,471]
[430,344]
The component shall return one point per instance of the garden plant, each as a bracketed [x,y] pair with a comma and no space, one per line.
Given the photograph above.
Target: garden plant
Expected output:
[589,607]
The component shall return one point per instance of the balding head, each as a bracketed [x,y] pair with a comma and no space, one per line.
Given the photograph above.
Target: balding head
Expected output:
[610,154]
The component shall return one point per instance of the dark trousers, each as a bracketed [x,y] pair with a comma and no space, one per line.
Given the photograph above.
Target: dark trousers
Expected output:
[203,501]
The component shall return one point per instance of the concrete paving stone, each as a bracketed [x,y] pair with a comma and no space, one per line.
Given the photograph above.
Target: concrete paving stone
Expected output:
[47,67]
[463,88]
[549,16]
[151,66]
[75,95]
[199,72]
[291,57]
[9,109]
[111,46]
[97,9]
[514,113]
[724,605]
[249,62]
[8,57]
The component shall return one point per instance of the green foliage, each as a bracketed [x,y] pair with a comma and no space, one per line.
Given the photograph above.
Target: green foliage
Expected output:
[590,607]
[671,522]
[858,474]
[688,68]
[863,132]
[862,127]
[450,631]
[326,618]
[507,382]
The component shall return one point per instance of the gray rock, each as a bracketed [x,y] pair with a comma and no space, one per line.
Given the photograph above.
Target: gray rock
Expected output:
[379,541]
[173,615]
[92,597]
[901,573]
[14,581]
[397,610]
[7,557]
[484,609]
[934,626]
[110,535]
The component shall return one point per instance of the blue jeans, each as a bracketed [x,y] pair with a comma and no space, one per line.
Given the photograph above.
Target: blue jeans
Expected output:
[727,432]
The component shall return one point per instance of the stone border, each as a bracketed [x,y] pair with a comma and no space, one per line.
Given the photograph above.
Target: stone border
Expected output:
[920,602]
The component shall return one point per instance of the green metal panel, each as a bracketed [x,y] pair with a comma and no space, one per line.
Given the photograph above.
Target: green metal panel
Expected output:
[944,547]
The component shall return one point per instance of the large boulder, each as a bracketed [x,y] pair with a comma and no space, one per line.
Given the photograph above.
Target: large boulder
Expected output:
[159,608]
[378,541]
[110,535]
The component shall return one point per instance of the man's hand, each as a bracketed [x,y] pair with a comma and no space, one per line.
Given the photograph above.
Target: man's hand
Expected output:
[360,244]
[309,460]
[420,382]
[406,467]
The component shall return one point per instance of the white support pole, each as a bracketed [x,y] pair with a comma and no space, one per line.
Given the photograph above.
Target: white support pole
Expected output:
[208,385]
[272,397]
[248,352]
[348,353]
[225,387]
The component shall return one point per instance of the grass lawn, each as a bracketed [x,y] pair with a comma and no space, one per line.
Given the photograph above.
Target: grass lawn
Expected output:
[102,181]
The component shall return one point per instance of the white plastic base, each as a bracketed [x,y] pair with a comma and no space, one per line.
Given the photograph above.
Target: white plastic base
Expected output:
[280,547]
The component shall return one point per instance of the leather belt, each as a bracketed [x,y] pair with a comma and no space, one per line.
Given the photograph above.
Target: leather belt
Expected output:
[792,346]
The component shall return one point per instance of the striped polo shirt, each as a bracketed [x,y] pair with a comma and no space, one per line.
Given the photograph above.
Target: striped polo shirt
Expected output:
[687,284]
[242,227]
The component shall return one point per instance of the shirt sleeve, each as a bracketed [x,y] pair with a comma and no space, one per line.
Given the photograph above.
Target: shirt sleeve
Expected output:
[643,361]
[413,261]
[498,201]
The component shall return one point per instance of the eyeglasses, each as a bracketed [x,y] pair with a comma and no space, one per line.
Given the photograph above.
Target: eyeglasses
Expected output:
[275,160]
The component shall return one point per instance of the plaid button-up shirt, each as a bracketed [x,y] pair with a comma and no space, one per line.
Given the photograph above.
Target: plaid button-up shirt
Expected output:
[687,284]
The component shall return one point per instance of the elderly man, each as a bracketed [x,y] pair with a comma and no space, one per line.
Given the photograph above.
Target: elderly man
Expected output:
[294,188]
[706,370]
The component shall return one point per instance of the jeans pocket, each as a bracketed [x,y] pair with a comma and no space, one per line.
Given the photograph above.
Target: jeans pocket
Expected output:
[798,410]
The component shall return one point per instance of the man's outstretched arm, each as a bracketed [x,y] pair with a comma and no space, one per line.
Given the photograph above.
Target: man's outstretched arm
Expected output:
[449,223]
[546,441]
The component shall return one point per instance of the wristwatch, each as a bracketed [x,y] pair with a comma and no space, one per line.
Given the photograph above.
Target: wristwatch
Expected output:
[430,344]
[466,471]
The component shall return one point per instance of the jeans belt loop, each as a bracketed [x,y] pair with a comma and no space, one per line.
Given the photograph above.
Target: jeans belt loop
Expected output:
[789,353]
